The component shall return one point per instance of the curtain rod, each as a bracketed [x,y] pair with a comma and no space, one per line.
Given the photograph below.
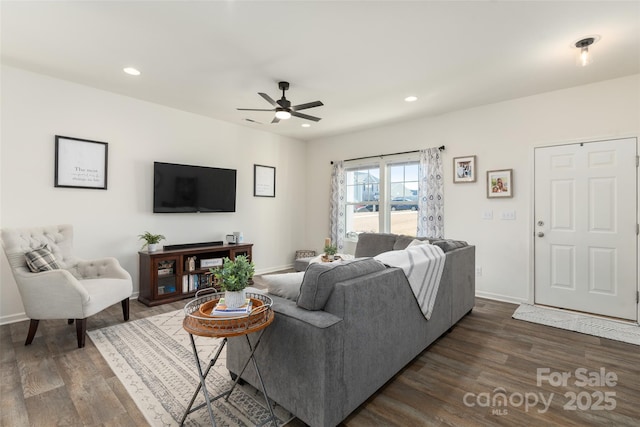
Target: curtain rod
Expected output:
[441,148]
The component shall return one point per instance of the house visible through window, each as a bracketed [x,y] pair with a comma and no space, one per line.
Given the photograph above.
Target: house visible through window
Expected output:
[382,197]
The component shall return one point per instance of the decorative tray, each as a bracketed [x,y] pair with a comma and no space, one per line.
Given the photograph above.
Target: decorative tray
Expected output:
[199,321]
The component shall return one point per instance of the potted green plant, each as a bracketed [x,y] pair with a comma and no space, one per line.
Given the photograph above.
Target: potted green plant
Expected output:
[330,251]
[151,240]
[234,276]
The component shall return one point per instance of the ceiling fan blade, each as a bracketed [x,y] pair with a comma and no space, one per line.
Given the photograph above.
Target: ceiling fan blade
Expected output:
[268,98]
[305,116]
[275,120]
[253,109]
[307,105]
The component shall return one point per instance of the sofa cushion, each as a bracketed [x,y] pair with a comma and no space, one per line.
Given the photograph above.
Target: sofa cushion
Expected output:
[403,242]
[449,245]
[286,285]
[41,259]
[320,279]
[372,244]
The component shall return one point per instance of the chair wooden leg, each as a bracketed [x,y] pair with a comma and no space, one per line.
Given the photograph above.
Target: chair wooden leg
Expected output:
[69,321]
[81,331]
[125,309]
[33,327]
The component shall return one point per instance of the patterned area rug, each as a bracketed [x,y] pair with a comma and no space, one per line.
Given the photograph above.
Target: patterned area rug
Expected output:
[599,327]
[154,360]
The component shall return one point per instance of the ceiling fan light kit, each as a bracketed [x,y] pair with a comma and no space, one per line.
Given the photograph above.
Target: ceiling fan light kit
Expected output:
[283,114]
[283,108]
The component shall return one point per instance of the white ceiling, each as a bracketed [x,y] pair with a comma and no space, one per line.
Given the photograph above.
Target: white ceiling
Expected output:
[361,59]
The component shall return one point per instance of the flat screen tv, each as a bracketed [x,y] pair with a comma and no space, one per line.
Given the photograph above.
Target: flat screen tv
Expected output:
[185,188]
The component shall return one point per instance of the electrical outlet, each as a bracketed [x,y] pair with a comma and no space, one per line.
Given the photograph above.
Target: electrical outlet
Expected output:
[478,271]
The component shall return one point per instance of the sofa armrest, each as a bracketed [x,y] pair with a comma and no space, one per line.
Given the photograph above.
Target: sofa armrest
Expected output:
[463,281]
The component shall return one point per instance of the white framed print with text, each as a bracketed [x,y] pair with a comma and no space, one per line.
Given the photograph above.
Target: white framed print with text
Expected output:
[80,163]
[264,181]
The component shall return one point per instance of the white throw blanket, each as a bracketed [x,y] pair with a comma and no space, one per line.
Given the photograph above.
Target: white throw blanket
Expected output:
[423,266]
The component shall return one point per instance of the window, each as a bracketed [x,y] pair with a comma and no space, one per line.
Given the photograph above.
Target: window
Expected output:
[382,197]
[362,205]
[403,198]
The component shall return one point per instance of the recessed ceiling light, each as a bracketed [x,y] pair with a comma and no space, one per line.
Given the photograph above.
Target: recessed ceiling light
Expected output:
[131,71]
[411,98]
[305,125]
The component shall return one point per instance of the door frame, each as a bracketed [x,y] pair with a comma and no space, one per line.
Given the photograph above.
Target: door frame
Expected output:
[532,208]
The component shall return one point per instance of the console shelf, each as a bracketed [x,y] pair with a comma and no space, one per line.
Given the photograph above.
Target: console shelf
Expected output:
[165,275]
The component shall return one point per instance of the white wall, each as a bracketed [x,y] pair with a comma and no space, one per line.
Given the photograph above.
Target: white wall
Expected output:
[501,136]
[107,223]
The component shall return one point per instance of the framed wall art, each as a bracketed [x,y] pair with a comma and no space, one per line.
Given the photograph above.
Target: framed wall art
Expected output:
[464,169]
[80,163]
[500,183]
[264,181]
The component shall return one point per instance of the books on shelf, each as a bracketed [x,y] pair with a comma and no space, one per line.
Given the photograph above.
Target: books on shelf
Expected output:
[193,282]
[223,311]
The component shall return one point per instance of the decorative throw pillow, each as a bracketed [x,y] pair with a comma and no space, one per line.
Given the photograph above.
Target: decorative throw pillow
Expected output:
[286,285]
[320,279]
[41,259]
[448,245]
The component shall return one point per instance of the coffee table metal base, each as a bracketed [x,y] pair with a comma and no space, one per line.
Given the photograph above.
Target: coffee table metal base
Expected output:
[203,386]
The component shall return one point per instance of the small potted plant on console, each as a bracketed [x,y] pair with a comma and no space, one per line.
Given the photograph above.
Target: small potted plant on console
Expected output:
[151,240]
[234,276]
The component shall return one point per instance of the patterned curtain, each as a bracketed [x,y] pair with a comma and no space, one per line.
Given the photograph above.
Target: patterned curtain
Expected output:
[430,195]
[337,206]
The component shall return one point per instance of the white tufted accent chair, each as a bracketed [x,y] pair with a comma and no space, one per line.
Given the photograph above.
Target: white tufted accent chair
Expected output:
[80,289]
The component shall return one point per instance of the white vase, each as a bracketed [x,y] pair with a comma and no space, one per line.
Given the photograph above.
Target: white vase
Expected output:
[152,247]
[234,299]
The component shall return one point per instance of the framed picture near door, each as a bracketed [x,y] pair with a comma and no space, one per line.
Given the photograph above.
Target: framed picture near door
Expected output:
[464,169]
[500,183]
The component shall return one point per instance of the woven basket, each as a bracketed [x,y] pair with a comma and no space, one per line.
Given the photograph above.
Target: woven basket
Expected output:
[305,253]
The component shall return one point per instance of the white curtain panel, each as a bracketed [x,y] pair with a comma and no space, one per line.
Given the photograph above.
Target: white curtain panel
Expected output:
[337,205]
[431,195]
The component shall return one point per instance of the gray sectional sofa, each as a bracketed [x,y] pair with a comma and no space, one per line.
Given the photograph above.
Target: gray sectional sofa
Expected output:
[361,326]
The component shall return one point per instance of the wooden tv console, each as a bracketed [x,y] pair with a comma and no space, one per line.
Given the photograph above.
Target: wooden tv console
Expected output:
[165,275]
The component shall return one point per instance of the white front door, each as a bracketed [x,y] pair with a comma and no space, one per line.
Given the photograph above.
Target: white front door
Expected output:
[585,232]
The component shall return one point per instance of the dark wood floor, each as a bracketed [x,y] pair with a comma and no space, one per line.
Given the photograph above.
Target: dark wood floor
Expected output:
[455,382]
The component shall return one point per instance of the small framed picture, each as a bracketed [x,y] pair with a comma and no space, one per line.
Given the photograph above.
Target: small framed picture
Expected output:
[264,181]
[80,163]
[500,183]
[464,169]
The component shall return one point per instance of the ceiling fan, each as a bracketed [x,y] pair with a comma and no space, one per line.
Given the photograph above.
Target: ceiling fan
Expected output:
[283,107]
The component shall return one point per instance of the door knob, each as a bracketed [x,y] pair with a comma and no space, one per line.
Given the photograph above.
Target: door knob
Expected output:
[540,234]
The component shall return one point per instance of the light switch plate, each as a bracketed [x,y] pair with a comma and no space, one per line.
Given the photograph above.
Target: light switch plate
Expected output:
[509,215]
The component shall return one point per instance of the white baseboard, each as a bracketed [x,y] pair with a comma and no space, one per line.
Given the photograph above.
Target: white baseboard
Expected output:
[499,297]
[274,269]
[19,317]
[13,318]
